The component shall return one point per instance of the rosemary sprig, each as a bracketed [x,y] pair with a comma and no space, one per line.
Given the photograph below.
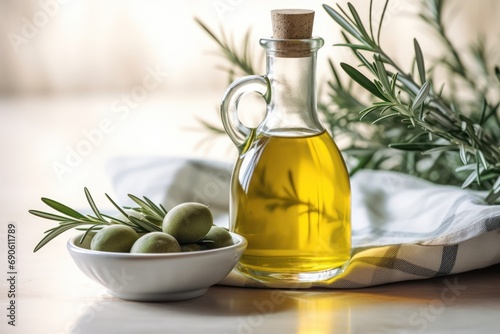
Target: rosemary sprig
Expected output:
[438,126]
[147,217]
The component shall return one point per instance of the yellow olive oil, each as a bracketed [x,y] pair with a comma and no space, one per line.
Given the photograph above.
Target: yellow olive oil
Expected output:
[291,201]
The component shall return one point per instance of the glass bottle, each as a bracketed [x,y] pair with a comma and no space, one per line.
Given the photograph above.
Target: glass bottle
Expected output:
[290,191]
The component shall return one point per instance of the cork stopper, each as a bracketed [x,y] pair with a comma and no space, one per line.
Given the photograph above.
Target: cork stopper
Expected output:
[292,23]
[289,25]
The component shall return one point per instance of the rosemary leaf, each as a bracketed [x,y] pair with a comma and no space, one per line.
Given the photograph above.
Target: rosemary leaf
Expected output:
[358,21]
[54,233]
[343,22]
[118,207]
[47,215]
[355,46]
[92,203]
[381,20]
[419,58]
[362,80]
[471,178]
[384,118]
[421,96]
[154,207]
[144,224]
[62,208]
[87,231]
[414,146]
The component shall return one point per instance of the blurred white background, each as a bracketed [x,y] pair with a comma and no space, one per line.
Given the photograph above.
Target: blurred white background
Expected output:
[72,78]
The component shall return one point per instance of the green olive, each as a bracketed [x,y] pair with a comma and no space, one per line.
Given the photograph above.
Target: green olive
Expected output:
[156,242]
[188,222]
[220,237]
[114,238]
[86,241]
[192,247]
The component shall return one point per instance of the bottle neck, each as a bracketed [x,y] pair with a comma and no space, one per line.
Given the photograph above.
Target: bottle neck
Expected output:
[291,70]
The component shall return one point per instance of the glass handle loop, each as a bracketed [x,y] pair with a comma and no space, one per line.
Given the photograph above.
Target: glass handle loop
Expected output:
[236,130]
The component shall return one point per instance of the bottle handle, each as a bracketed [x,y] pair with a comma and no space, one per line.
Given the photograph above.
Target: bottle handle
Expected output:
[237,131]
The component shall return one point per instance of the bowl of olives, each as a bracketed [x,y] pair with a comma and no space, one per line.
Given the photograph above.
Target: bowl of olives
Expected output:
[181,261]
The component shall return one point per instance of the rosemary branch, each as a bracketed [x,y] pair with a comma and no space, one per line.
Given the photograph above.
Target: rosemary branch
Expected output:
[421,109]
[146,217]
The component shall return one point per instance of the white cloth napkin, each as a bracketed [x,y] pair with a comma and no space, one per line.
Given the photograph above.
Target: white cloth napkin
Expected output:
[403,228]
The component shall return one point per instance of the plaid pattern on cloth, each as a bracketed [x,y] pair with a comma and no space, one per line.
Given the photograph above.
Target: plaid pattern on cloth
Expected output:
[403,228]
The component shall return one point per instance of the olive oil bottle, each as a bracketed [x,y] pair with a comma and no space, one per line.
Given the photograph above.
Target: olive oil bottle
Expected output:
[290,191]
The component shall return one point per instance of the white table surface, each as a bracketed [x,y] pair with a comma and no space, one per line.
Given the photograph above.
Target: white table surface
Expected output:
[53,296]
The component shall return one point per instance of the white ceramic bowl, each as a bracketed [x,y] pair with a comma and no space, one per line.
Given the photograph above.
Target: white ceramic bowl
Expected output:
[158,277]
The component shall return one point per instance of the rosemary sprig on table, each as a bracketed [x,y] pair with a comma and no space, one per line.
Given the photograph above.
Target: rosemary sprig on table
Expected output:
[406,121]
[147,217]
